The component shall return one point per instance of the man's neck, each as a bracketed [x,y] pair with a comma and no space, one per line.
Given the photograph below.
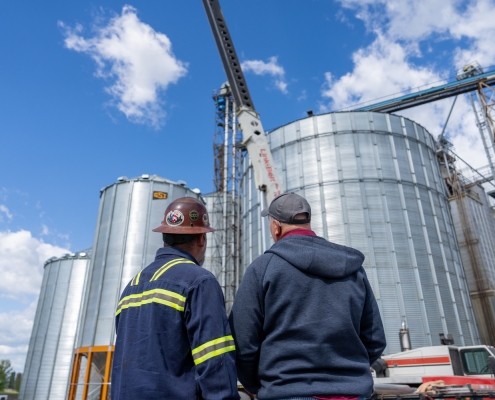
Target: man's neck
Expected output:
[299,231]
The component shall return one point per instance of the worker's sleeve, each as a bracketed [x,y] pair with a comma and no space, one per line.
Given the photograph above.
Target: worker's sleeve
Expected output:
[212,345]
[372,334]
[117,317]
[246,322]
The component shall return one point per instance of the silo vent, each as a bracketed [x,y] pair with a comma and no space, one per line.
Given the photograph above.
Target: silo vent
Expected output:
[196,190]
[72,254]
[121,178]
[145,176]
[83,254]
[182,183]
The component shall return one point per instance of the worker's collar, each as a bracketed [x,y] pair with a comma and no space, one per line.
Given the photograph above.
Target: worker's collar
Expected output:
[303,232]
[163,252]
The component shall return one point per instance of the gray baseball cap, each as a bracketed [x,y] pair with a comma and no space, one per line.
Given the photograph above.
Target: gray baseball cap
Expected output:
[286,206]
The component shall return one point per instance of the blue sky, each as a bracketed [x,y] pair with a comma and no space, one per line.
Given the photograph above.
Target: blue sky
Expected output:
[82,103]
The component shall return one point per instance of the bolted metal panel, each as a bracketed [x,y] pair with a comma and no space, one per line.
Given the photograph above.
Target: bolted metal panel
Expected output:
[48,363]
[373,183]
[25,387]
[475,230]
[123,245]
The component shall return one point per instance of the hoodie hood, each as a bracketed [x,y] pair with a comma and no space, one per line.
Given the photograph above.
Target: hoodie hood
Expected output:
[317,256]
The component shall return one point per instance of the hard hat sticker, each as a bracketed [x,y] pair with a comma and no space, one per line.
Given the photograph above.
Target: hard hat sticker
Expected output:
[174,218]
[206,221]
[194,215]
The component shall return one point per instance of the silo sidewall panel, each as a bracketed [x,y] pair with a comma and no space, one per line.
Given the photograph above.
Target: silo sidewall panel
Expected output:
[374,184]
[97,266]
[68,329]
[53,339]
[124,244]
[31,374]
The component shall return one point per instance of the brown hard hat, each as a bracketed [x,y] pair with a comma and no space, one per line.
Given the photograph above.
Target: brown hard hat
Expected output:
[185,216]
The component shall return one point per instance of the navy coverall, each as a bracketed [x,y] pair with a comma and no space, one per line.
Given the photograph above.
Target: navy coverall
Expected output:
[173,338]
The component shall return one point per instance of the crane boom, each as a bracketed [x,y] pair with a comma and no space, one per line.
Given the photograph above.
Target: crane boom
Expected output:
[253,134]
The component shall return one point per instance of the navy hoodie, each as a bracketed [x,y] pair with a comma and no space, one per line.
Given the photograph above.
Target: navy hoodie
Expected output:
[305,321]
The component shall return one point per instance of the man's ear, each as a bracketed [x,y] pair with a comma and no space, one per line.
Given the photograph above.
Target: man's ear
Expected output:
[201,240]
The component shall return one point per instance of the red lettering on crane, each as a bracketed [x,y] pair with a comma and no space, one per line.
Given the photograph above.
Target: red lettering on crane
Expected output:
[269,169]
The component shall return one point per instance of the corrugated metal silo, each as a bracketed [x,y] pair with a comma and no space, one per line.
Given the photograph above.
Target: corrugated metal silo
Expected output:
[123,245]
[48,362]
[475,228]
[373,183]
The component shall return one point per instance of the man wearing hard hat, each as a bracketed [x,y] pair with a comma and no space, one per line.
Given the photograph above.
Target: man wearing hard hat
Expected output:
[173,338]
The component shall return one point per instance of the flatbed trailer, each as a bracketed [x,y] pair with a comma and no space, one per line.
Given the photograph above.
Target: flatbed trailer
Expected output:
[451,392]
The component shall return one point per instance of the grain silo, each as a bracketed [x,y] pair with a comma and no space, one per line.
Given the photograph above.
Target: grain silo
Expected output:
[475,230]
[374,183]
[48,362]
[123,244]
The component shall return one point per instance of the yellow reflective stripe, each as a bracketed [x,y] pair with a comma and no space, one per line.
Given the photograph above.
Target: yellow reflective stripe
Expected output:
[138,276]
[160,296]
[160,271]
[211,343]
[162,291]
[135,280]
[213,348]
[214,354]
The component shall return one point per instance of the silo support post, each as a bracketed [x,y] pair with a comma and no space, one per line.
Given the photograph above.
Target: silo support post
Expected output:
[75,373]
[106,378]
[87,375]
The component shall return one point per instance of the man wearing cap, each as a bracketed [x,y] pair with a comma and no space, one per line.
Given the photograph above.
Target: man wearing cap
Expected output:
[305,320]
[173,338]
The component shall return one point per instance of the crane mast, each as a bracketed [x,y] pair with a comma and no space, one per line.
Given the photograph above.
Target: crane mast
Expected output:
[253,134]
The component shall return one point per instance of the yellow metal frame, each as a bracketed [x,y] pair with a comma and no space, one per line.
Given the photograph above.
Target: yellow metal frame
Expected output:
[89,353]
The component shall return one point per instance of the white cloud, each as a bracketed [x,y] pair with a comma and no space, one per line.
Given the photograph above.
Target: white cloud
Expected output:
[393,62]
[271,68]
[138,59]
[64,236]
[5,210]
[477,25]
[44,230]
[15,332]
[379,69]
[406,19]
[438,20]
[21,261]
[303,96]
[21,267]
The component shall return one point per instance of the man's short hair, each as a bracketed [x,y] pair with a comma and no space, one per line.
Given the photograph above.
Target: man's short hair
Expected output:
[174,239]
[300,216]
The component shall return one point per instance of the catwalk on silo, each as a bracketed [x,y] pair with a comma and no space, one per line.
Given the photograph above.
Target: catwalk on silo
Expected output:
[374,183]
